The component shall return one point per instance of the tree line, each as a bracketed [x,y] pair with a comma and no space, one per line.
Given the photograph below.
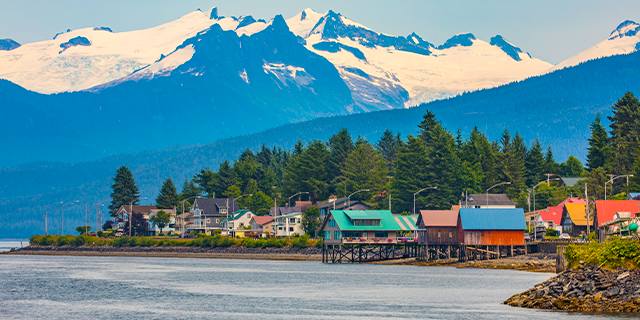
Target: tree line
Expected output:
[396,168]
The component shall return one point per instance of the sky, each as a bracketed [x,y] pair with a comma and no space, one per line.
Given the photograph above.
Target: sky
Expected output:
[549,29]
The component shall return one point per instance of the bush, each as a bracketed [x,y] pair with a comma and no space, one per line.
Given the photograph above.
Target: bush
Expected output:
[613,253]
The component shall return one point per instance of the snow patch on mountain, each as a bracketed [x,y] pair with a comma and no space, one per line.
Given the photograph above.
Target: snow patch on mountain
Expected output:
[508,48]
[302,23]
[287,74]
[624,39]
[166,64]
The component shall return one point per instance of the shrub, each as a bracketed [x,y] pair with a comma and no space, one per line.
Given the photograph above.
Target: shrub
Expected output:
[613,253]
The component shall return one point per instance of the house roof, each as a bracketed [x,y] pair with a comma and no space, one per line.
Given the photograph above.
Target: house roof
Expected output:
[607,209]
[285,210]
[406,222]
[344,219]
[212,206]
[494,199]
[634,196]
[577,213]
[570,181]
[238,214]
[438,218]
[492,219]
[262,220]
[341,203]
[137,209]
[554,213]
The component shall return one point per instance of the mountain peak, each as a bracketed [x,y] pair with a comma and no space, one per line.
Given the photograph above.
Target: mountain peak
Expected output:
[508,48]
[279,24]
[8,44]
[307,13]
[462,39]
[627,28]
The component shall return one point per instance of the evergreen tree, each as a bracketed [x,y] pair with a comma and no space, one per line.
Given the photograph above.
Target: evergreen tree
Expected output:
[226,178]
[625,134]
[598,145]
[124,190]
[246,168]
[550,164]
[168,197]
[480,158]
[444,168]
[340,145]
[388,147]
[206,180]
[513,166]
[534,164]
[572,167]
[411,173]
[188,194]
[307,172]
[364,168]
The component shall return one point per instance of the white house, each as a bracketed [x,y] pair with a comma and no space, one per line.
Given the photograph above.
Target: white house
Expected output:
[289,224]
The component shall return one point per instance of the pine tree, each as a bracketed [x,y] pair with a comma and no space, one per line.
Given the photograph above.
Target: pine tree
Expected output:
[625,134]
[550,164]
[598,145]
[411,173]
[124,190]
[340,145]
[572,167]
[513,165]
[534,164]
[307,172]
[388,147]
[364,168]
[189,192]
[246,168]
[481,159]
[168,197]
[206,180]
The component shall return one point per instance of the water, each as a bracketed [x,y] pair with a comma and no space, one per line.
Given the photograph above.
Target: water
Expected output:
[39,287]
[8,244]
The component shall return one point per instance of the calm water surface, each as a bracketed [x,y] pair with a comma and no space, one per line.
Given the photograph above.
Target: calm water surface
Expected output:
[41,287]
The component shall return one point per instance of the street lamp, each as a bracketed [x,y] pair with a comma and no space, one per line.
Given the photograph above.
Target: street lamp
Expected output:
[355,192]
[493,186]
[418,192]
[614,178]
[296,194]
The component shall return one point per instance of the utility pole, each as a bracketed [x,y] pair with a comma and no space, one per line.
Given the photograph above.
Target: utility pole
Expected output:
[586,198]
[86,218]
[46,223]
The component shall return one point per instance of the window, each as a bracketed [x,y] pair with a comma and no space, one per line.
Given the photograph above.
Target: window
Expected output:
[381,234]
[292,220]
[352,234]
[336,235]
[327,235]
[366,222]
[450,235]
[217,220]
[332,223]
[290,229]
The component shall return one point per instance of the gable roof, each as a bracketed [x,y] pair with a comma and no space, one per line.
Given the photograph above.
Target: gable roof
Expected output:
[438,218]
[570,181]
[212,206]
[607,209]
[341,203]
[344,219]
[262,220]
[577,213]
[407,222]
[554,213]
[492,219]
[137,209]
[494,199]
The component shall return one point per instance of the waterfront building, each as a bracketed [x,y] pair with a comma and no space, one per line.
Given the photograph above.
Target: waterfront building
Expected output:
[237,223]
[141,225]
[491,227]
[260,227]
[209,213]
[367,227]
[289,224]
[606,210]
[574,219]
[438,227]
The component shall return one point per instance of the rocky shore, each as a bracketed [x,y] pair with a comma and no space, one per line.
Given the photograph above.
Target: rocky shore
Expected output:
[587,289]
[287,253]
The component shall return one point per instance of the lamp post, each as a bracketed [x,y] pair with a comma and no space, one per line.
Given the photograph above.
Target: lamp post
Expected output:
[418,192]
[355,192]
[533,190]
[296,194]
[613,178]
[493,186]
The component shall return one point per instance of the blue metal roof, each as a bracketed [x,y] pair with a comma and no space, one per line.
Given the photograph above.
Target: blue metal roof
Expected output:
[492,219]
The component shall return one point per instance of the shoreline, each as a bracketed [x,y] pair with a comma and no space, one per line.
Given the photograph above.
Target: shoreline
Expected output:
[530,263]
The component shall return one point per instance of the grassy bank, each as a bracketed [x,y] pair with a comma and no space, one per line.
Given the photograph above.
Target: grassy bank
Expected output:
[216,241]
[612,254]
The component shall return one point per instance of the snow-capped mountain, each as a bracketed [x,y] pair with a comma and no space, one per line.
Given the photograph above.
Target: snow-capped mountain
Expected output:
[381,71]
[385,71]
[624,39]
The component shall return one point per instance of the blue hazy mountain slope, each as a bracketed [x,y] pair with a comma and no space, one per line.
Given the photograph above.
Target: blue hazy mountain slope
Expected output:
[557,108]
[232,85]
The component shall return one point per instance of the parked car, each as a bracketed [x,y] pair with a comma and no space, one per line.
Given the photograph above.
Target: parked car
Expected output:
[564,236]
